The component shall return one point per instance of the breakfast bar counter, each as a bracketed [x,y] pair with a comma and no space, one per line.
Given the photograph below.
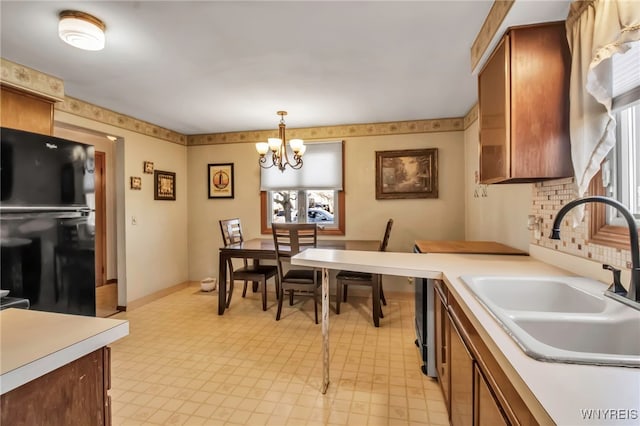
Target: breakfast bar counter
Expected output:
[55,367]
[555,393]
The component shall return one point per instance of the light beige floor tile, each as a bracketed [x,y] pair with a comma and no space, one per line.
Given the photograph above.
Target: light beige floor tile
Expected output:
[183,364]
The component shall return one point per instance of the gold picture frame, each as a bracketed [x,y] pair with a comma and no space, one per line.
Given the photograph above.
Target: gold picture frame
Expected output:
[147,167]
[220,182]
[164,187]
[135,182]
[410,173]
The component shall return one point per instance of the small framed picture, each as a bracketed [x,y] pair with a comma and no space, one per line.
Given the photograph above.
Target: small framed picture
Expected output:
[148,167]
[164,185]
[136,182]
[220,180]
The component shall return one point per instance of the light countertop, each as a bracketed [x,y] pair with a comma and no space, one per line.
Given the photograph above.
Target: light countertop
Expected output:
[34,343]
[555,392]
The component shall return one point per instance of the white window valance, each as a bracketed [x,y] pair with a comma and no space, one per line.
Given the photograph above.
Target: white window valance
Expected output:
[321,169]
[596,30]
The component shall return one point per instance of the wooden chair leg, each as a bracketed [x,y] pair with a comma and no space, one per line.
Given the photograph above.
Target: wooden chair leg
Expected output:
[344,297]
[338,295]
[384,300]
[315,303]
[290,297]
[244,290]
[230,292]
[264,294]
[280,304]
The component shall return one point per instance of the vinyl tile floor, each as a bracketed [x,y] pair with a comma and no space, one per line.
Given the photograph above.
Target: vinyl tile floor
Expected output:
[183,364]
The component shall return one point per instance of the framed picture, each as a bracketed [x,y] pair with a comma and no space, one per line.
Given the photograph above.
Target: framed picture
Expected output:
[136,182]
[411,173]
[148,167]
[164,185]
[220,180]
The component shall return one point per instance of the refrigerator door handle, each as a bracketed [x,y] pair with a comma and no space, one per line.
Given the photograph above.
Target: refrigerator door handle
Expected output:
[41,215]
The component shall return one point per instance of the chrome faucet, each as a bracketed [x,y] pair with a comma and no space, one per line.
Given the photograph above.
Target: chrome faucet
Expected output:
[633,294]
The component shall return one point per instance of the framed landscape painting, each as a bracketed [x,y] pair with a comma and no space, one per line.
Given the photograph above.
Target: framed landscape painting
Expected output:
[411,173]
[220,180]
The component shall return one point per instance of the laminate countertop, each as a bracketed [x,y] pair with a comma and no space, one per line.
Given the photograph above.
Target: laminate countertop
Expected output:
[34,343]
[555,393]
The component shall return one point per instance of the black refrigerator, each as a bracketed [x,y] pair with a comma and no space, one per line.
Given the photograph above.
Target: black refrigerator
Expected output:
[47,222]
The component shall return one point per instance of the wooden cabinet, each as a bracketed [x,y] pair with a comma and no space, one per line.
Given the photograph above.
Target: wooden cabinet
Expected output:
[441,328]
[23,111]
[74,394]
[461,386]
[477,390]
[523,93]
[486,408]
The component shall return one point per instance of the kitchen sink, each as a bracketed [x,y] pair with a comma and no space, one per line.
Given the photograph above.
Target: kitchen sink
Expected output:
[536,294]
[561,319]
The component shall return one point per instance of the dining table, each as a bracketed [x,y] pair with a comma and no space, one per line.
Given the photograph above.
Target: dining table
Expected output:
[258,249]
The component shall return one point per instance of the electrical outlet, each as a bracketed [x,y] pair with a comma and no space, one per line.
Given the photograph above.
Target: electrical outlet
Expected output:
[134,220]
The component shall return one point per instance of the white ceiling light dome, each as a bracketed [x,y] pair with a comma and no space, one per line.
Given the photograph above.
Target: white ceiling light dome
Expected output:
[81,30]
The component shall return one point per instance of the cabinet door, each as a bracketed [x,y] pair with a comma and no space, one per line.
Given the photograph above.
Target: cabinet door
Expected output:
[461,375]
[441,327]
[494,110]
[487,410]
[23,111]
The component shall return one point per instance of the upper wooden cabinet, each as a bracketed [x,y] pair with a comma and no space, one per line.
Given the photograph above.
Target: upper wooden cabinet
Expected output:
[24,111]
[524,107]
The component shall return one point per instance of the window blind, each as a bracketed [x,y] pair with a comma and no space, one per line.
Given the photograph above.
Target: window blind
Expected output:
[626,77]
[321,169]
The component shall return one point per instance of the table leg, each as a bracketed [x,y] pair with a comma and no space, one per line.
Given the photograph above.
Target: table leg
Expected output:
[222,284]
[325,330]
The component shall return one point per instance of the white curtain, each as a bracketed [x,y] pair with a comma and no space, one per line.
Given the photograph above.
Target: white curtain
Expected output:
[596,30]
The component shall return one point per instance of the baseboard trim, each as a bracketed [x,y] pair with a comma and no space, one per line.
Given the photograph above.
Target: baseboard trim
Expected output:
[120,308]
[134,304]
[111,281]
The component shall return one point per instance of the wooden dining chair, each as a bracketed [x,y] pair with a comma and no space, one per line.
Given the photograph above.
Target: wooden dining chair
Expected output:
[290,239]
[232,233]
[346,278]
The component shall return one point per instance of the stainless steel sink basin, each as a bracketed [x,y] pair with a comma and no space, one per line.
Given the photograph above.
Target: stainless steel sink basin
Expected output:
[562,319]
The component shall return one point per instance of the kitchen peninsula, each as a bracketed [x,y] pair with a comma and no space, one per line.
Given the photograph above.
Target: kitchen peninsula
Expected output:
[553,393]
[55,368]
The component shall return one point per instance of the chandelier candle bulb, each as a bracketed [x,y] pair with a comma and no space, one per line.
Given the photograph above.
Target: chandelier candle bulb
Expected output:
[274,144]
[302,150]
[262,148]
[296,145]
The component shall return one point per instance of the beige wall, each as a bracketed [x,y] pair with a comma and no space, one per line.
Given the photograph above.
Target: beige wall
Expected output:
[502,214]
[437,219]
[152,255]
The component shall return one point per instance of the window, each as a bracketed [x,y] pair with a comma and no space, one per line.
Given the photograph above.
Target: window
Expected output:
[312,194]
[619,175]
[621,169]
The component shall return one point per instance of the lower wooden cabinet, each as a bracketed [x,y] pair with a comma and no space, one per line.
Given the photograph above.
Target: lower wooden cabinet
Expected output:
[441,328]
[476,389]
[486,408]
[74,394]
[461,386]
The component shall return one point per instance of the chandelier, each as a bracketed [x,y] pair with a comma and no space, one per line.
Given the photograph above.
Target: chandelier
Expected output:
[278,147]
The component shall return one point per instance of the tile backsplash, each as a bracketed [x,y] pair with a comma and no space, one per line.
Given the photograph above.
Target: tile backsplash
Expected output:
[548,198]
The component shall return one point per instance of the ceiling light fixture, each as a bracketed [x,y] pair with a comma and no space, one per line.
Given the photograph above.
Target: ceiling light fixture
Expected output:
[81,30]
[278,147]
